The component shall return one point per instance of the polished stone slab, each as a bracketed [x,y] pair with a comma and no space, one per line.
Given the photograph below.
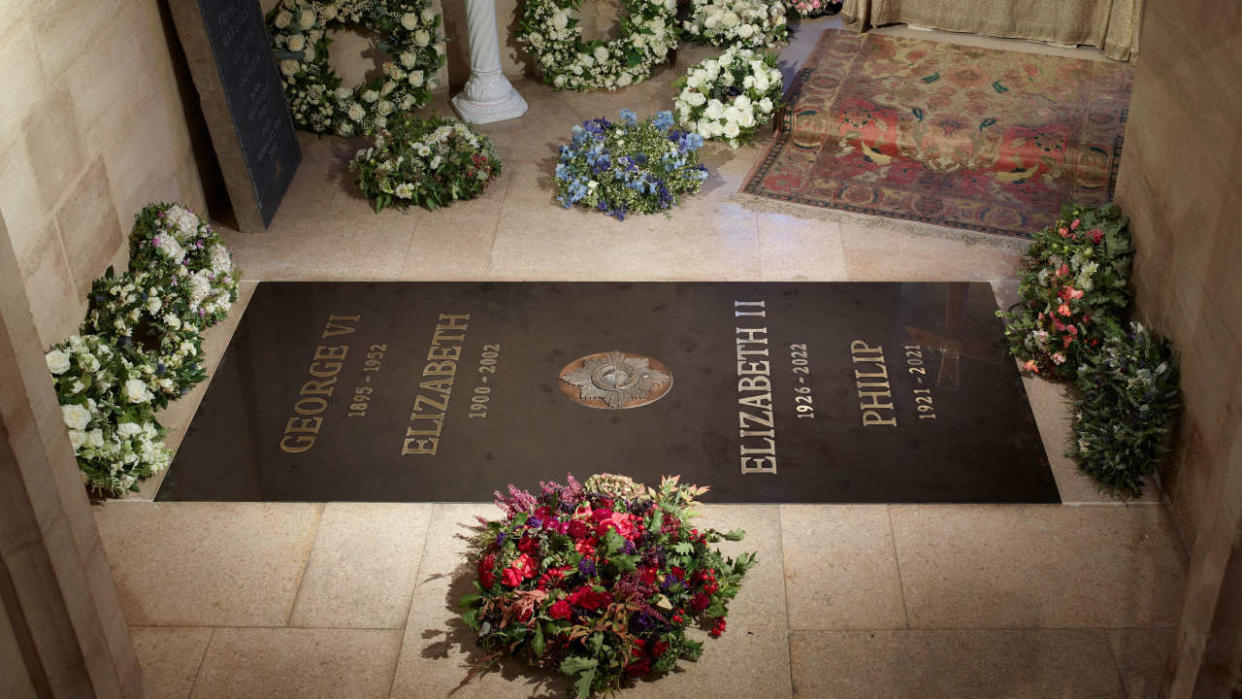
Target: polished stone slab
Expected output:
[767,392]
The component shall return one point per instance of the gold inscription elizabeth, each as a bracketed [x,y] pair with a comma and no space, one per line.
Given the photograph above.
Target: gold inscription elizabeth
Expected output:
[422,435]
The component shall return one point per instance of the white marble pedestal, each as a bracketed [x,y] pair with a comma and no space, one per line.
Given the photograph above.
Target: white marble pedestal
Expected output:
[488,95]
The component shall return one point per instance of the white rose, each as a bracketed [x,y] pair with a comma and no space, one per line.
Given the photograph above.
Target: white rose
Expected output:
[766,105]
[601,54]
[283,19]
[696,99]
[77,438]
[343,93]
[297,42]
[384,108]
[307,19]
[76,417]
[370,96]
[407,59]
[154,304]
[356,112]
[77,386]
[746,31]
[422,38]
[57,361]
[731,130]
[428,15]
[715,109]
[95,438]
[416,78]
[128,429]
[409,20]
[289,67]
[136,391]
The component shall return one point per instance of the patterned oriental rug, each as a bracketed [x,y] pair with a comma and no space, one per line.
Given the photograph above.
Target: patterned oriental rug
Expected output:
[965,137]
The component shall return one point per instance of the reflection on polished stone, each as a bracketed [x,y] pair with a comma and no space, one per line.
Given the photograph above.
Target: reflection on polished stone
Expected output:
[785,392]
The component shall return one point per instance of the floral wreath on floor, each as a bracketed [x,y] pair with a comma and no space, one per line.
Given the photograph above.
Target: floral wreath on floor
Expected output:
[552,35]
[299,34]
[106,405]
[755,24]
[729,97]
[426,162]
[600,581]
[816,8]
[629,166]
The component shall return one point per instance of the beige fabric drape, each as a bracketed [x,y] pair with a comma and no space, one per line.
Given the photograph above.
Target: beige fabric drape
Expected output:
[1112,25]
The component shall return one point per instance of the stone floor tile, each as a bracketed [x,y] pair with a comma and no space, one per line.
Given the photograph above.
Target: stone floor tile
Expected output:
[439,652]
[927,253]
[170,658]
[367,248]
[1027,566]
[207,564]
[761,602]
[963,664]
[1141,656]
[362,566]
[796,249]
[840,567]
[262,663]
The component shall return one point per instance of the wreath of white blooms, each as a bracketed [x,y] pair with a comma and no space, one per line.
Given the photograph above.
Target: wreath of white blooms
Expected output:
[299,33]
[729,97]
[552,34]
[754,24]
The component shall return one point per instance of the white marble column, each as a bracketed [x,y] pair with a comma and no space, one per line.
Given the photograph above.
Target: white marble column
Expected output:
[488,95]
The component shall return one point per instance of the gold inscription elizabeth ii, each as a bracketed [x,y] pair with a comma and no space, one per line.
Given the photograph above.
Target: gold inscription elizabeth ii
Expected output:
[615,380]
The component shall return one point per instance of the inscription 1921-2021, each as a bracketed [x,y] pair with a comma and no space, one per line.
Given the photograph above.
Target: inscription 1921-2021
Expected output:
[790,392]
[243,102]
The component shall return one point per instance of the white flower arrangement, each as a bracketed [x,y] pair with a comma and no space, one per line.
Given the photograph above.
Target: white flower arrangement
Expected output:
[108,410]
[754,24]
[729,97]
[425,162]
[187,260]
[299,31]
[552,35]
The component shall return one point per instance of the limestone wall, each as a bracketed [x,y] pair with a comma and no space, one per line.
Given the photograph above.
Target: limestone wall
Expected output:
[1181,183]
[91,129]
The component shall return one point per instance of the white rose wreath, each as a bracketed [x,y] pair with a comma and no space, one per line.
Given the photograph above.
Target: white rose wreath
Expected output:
[551,33]
[299,33]
[729,97]
[755,24]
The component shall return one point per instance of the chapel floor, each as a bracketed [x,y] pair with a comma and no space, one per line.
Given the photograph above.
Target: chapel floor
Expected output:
[355,600]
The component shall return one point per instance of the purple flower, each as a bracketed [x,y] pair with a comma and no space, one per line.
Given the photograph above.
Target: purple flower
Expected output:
[587,567]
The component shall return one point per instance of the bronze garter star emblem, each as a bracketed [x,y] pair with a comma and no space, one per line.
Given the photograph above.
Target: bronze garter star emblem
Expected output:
[615,380]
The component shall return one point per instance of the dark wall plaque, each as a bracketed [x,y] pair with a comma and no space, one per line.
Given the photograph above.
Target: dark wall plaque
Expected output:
[792,392]
[243,102]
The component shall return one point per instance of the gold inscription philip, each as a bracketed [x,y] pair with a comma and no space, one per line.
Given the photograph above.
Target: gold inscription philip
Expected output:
[422,435]
[302,428]
[756,426]
[875,396]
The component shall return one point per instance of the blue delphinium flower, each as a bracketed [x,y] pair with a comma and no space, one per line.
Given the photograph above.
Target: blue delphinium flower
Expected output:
[663,120]
[628,117]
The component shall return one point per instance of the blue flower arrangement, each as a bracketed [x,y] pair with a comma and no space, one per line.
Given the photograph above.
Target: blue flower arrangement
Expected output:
[630,166]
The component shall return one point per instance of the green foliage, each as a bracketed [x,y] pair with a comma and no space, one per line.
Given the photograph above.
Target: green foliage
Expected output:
[1128,397]
[1073,290]
[425,162]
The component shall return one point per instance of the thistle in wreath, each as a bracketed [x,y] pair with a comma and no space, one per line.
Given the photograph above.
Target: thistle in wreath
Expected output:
[1073,291]
[629,166]
[729,97]
[425,162]
[601,580]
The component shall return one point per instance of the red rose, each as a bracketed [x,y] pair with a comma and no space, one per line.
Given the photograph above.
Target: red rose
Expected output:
[543,512]
[578,529]
[602,514]
[526,565]
[512,577]
[648,575]
[487,570]
[589,599]
[700,602]
[528,545]
[639,668]
[678,573]
[560,610]
[658,648]
[1096,235]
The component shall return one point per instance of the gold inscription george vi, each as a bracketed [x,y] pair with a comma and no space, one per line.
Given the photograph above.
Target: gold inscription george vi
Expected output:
[756,427]
[303,427]
[422,435]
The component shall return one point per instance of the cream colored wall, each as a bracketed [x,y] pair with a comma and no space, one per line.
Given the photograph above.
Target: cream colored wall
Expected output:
[91,129]
[14,678]
[1181,183]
